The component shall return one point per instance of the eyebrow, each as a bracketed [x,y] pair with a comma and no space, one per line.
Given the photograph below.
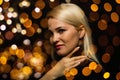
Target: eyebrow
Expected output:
[58,28]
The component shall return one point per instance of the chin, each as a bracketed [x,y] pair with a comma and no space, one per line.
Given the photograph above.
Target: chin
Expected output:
[61,54]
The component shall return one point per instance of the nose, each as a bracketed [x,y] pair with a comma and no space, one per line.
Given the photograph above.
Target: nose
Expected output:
[55,38]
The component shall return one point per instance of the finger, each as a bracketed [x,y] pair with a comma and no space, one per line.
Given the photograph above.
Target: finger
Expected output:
[70,54]
[76,63]
[78,58]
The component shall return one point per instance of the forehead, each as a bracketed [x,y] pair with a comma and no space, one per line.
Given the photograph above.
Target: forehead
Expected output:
[55,23]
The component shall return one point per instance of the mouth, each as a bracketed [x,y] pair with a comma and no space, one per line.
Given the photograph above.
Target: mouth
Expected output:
[58,47]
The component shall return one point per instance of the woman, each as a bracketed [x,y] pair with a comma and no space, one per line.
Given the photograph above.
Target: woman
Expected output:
[70,36]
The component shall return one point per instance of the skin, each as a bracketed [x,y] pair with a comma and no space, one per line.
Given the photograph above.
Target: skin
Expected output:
[64,36]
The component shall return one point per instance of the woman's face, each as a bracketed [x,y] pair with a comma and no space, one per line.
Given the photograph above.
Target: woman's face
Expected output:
[63,36]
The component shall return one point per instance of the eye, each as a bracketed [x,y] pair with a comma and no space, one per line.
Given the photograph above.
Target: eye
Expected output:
[61,31]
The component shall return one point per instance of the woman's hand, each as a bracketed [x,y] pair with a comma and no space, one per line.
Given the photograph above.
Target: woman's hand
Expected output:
[65,64]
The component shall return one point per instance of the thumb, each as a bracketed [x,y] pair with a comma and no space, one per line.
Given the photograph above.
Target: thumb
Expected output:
[70,54]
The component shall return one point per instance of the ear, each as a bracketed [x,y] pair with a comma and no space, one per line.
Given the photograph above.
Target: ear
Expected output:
[81,31]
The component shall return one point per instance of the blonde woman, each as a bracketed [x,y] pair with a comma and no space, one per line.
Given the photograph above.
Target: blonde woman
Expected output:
[70,36]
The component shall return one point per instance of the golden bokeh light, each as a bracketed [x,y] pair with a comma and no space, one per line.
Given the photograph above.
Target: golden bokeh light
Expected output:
[27,23]
[1,1]
[106,75]
[73,71]
[20,53]
[3,60]
[94,16]
[40,3]
[94,7]
[106,57]
[118,76]
[86,71]
[116,41]
[117,1]
[36,15]
[107,7]
[102,24]
[114,17]
[92,65]
[98,69]
[5,5]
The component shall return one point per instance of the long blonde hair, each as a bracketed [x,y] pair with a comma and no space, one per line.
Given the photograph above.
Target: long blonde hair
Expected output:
[74,15]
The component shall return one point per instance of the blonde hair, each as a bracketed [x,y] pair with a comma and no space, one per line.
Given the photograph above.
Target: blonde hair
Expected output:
[74,15]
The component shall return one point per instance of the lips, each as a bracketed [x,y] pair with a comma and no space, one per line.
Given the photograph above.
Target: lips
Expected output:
[58,46]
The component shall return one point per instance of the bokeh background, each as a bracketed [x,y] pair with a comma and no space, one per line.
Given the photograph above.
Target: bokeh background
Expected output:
[22,26]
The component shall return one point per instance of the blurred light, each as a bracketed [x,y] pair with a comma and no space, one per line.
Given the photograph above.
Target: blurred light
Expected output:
[5,5]
[94,16]
[118,76]
[106,75]
[20,53]
[98,69]
[92,65]
[30,31]
[106,57]
[20,65]
[43,23]
[116,41]
[114,17]
[52,0]
[23,32]
[1,41]
[23,17]
[86,71]
[39,30]
[27,70]
[10,9]
[1,1]
[102,24]
[105,17]
[24,3]
[96,1]
[26,42]
[14,30]
[73,71]
[107,7]
[6,0]
[110,49]
[3,27]
[40,4]
[117,1]
[36,15]
[15,14]
[39,43]
[9,35]
[3,60]
[37,75]
[14,46]
[10,15]
[9,21]
[94,7]
[37,10]
[28,23]
[1,9]
[1,17]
